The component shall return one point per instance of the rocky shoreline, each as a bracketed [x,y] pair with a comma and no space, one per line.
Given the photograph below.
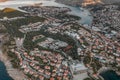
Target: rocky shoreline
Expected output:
[14,73]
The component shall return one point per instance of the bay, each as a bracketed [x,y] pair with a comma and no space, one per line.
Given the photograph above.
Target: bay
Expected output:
[110,75]
[86,19]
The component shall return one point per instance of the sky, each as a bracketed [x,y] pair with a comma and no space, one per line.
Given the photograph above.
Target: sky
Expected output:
[15,3]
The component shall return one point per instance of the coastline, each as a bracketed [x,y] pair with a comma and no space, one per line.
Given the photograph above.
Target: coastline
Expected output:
[14,73]
[118,73]
[110,75]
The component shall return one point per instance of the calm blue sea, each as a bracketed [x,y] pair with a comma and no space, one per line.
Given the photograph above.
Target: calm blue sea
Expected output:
[3,73]
[110,75]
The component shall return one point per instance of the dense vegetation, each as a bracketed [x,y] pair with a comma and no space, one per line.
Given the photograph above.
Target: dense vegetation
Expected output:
[13,26]
[14,59]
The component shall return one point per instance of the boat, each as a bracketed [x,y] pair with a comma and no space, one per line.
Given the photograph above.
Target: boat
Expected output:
[81,9]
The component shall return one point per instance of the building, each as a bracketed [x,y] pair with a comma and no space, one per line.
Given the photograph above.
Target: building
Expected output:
[77,67]
[78,70]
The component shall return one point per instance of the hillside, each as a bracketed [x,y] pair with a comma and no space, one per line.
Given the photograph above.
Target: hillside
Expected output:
[110,1]
[86,2]
[9,12]
[3,0]
[70,2]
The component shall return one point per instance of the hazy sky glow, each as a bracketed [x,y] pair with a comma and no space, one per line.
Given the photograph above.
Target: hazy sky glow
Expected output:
[16,2]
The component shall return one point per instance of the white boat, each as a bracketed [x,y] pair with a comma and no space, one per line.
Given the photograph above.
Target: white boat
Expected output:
[81,9]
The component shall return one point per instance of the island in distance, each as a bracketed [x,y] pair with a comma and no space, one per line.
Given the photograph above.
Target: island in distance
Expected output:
[52,40]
